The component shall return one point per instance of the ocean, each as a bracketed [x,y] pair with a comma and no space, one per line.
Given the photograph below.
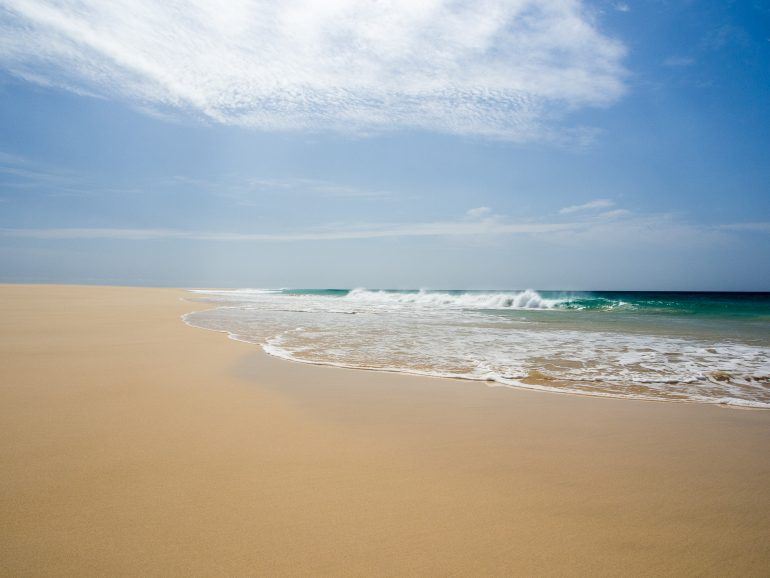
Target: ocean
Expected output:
[662,346]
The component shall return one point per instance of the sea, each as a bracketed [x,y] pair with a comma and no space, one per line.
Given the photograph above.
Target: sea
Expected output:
[662,346]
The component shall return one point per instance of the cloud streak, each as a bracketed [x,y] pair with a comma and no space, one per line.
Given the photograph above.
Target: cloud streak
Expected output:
[329,233]
[757,227]
[501,68]
[589,206]
[19,173]
[615,226]
[245,188]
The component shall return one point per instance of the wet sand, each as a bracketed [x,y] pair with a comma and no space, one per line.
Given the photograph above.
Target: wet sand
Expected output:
[133,444]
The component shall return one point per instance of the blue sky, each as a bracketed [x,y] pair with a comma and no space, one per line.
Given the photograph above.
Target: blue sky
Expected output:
[504,144]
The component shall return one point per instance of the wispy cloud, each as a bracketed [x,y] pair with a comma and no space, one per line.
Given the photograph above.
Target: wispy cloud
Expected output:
[479,213]
[614,214]
[616,226]
[760,227]
[244,186]
[325,233]
[725,35]
[503,68]
[590,205]
[19,173]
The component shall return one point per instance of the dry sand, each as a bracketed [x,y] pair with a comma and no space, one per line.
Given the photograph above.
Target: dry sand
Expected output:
[132,444]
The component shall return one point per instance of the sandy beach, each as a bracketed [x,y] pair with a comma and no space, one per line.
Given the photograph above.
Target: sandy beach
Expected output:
[133,444]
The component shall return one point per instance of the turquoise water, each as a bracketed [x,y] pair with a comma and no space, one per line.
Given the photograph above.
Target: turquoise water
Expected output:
[719,304]
[742,316]
[706,347]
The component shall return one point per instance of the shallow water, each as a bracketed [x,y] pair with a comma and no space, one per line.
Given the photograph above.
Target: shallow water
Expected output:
[705,347]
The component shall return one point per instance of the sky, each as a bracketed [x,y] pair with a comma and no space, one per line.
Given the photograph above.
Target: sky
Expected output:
[552,144]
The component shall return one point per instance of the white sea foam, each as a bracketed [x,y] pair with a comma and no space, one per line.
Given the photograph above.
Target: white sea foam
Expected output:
[452,335]
[528,299]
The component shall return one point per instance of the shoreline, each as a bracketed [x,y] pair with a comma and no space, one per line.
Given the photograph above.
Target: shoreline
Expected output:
[488,382]
[132,443]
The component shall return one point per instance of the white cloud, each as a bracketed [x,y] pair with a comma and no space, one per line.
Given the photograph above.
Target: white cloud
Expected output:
[499,68]
[614,214]
[590,205]
[479,213]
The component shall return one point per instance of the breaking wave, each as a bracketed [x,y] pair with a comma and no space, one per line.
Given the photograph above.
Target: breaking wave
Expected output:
[528,299]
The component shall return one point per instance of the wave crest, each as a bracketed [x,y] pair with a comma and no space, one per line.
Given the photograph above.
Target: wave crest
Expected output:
[528,299]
